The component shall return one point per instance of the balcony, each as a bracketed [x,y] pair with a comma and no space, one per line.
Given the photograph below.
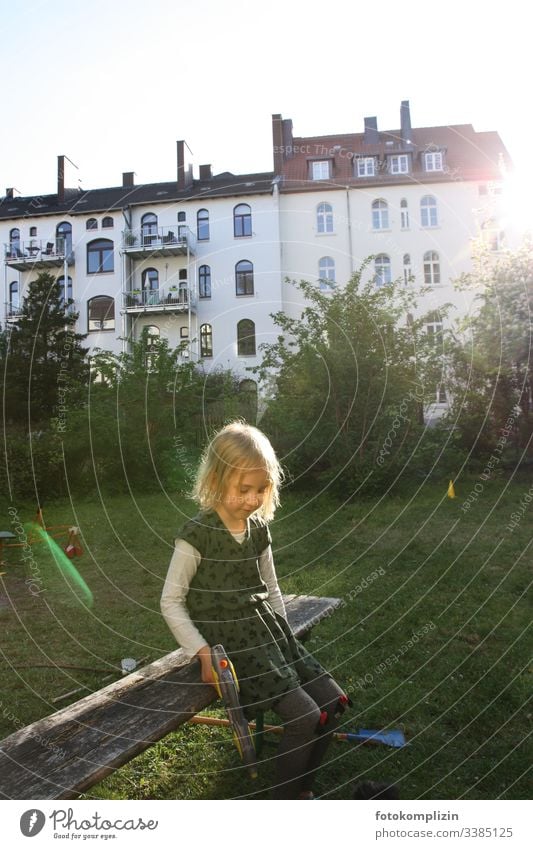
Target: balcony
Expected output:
[25,256]
[157,300]
[12,312]
[158,241]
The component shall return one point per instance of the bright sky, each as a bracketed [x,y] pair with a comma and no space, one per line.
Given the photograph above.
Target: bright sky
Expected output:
[113,85]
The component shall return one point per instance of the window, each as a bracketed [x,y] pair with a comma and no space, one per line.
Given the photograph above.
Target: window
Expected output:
[204,281]
[14,242]
[100,256]
[91,224]
[404,215]
[184,332]
[493,237]
[320,169]
[33,231]
[65,297]
[441,394]
[206,340]
[428,211]
[407,269]
[380,215]
[383,270]
[246,338]
[202,224]
[244,278]
[151,336]
[101,313]
[64,237]
[107,222]
[148,228]
[150,286]
[434,330]
[366,166]
[324,218]
[242,220]
[399,164]
[326,273]
[14,301]
[431,268]
[182,216]
[433,161]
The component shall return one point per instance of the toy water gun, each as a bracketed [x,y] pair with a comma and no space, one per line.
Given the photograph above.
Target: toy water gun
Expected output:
[227,686]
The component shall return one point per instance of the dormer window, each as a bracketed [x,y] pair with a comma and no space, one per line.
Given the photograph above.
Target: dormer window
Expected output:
[366,166]
[399,164]
[433,161]
[320,169]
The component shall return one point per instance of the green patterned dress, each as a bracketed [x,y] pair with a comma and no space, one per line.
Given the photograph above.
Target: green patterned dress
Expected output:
[228,603]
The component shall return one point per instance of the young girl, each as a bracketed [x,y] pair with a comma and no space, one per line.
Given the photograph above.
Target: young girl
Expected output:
[221,587]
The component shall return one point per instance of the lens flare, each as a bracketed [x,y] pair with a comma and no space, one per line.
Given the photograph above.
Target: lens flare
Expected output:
[64,565]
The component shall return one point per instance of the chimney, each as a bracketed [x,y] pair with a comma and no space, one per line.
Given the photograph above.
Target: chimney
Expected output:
[205,172]
[60,179]
[181,164]
[277,140]
[405,122]
[286,129]
[371,131]
[10,193]
[128,179]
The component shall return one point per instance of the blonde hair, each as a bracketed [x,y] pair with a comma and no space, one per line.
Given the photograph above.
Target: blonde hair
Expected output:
[238,447]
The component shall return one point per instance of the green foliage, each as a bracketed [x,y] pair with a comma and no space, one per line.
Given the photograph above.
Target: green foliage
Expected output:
[491,376]
[354,371]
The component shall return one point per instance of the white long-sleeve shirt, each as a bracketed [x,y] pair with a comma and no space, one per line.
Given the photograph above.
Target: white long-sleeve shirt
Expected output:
[183,565]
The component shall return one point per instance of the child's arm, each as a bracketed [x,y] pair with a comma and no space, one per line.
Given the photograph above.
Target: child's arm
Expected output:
[268,574]
[182,569]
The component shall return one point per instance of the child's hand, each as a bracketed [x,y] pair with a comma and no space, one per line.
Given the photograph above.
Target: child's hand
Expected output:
[204,655]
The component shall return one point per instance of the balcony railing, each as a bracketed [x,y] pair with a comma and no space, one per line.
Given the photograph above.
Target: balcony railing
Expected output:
[176,240]
[13,311]
[37,253]
[159,300]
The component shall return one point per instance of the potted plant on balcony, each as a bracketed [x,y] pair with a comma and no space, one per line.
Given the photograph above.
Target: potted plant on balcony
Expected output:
[129,238]
[136,296]
[173,293]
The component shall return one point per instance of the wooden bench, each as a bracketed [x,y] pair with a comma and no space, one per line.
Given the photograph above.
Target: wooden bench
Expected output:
[64,754]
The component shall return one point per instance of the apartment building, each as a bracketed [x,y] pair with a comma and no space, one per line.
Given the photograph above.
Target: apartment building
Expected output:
[202,260]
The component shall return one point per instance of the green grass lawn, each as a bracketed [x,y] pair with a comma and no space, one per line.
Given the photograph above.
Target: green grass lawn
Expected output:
[433,636]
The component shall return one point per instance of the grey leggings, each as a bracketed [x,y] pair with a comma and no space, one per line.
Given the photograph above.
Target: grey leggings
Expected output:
[301,749]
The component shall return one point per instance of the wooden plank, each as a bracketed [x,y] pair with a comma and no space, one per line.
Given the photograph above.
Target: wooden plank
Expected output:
[65,753]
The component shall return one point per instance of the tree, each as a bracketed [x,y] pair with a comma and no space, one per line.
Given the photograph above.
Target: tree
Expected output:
[353,373]
[491,361]
[44,365]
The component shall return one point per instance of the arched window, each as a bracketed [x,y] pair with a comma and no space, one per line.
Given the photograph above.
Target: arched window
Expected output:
[14,302]
[404,215]
[407,269]
[150,336]
[14,242]
[380,215]
[91,224]
[101,313]
[64,237]
[150,286]
[324,218]
[428,211]
[108,222]
[242,220]
[248,400]
[148,228]
[431,268]
[206,340]
[202,225]
[383,270]
[244,278]
[246,338]
[326,273]
[100,256]
[65,296]
[204,281]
